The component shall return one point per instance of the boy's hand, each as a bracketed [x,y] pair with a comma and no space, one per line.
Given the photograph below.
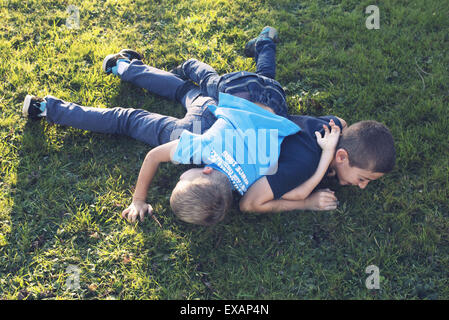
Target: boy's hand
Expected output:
[322,200]
[330,139]
[137,209]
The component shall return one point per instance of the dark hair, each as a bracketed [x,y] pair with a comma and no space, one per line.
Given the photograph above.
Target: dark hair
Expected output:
[369,145]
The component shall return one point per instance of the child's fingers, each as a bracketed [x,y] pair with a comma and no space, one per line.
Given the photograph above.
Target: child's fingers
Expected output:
[335,127]
[334,124]
[134,216]
[130,215]
[330,195]
[125,213]
[330,202]
[142,215]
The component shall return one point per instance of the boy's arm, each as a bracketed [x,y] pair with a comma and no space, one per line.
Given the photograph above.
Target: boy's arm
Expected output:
[305,189]
[139,207]
[328,144]
[259,198]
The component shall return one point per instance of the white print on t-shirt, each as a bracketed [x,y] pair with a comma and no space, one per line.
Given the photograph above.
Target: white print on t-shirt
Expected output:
[231,168]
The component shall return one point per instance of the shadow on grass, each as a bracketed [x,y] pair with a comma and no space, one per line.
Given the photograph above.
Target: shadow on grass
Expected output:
[61,177]
[71,188]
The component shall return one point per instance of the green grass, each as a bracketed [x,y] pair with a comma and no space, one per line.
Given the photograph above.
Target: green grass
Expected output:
[62,190]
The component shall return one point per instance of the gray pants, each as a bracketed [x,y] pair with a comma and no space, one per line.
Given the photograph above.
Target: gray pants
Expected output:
[151,128]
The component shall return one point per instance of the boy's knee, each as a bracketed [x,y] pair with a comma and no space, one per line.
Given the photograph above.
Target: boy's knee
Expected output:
[187,64]
[188,87]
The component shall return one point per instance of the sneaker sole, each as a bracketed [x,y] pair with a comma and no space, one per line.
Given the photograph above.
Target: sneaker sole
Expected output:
[105,61]
[26,105]
[250,51]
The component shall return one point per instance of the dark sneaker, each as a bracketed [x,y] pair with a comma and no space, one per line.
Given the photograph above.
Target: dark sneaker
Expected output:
[179,72]
[111,60]
[131,54]
[32,107]
[266,33]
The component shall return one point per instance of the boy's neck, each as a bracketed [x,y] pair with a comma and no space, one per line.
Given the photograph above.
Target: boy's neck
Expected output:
[330,172]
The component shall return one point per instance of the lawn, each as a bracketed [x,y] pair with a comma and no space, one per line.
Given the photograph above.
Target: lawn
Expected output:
[62,190]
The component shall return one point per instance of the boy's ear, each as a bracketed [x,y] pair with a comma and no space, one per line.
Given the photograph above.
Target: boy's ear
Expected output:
[341,155]
[207,170]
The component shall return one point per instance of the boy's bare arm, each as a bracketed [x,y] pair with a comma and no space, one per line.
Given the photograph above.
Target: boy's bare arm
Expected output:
[259,198]
[328,144]
[305,189]
[156,156]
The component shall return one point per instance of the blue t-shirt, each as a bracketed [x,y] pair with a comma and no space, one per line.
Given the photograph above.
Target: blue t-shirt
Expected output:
[300,154]
[244,143]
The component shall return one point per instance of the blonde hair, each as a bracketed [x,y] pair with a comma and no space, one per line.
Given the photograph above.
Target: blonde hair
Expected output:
[203,201]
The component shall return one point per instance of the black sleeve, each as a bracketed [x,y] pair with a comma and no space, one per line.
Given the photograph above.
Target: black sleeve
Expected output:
[289,176]
[297,163]
[328,118]
[300,155]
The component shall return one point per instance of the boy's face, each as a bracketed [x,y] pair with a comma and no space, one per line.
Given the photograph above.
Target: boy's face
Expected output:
[348,175]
